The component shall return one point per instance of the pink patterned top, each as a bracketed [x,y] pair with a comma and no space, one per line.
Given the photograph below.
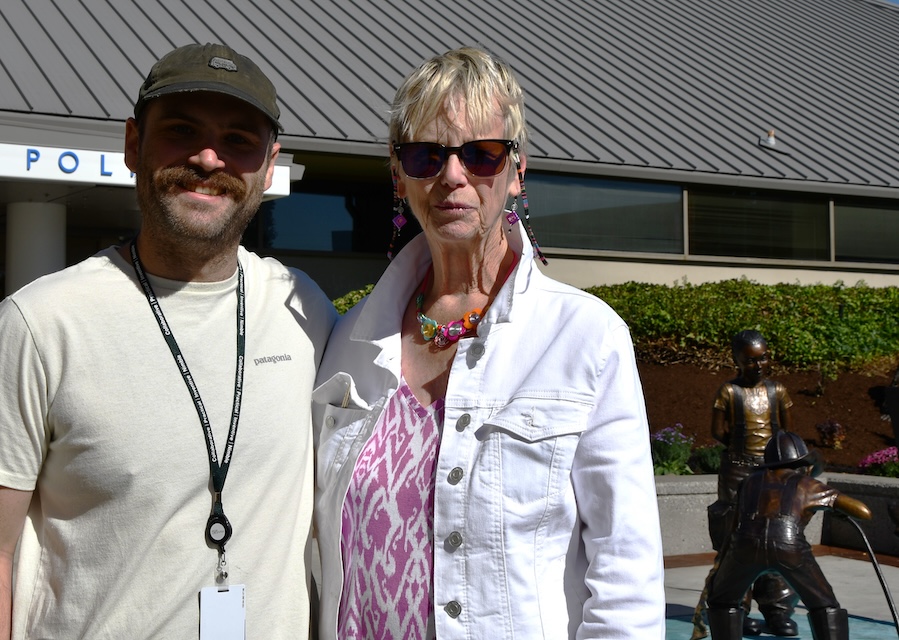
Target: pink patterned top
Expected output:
[388,521]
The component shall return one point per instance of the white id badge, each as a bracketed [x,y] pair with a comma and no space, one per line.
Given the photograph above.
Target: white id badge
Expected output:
[223,613]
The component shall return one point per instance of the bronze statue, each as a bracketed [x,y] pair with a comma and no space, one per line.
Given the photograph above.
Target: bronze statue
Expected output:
[747,412]
[775,505]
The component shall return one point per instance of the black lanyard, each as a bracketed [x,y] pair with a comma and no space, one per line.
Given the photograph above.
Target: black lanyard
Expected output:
[218,529]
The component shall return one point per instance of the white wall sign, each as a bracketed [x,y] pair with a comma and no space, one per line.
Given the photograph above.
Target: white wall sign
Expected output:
[25,162]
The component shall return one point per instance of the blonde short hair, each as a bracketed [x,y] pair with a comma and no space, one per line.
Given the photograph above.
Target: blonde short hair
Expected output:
[468,77]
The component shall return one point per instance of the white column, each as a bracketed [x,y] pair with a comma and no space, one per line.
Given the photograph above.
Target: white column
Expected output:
[35,241]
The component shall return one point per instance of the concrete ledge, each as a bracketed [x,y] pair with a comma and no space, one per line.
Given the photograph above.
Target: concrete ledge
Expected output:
[878,493]
[683,501]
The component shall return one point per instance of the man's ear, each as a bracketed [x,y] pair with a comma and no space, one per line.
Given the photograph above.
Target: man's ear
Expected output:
[276,148]
[132,144]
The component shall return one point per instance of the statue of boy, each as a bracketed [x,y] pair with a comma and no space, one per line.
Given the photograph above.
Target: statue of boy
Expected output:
[748,411]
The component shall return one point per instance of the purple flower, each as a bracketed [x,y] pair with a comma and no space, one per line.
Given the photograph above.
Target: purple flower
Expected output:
[879,457]
[673,435]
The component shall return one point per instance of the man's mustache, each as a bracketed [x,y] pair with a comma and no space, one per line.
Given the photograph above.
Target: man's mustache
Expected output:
[190,179]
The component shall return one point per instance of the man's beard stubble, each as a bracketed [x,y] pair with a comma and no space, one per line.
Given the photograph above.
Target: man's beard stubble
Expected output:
[157,197]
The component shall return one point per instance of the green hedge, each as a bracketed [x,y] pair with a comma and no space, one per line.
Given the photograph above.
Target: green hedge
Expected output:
[830,328]
[348,300]
[808,327]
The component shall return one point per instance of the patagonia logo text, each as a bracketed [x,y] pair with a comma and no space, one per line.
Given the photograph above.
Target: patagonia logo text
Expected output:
[270,359]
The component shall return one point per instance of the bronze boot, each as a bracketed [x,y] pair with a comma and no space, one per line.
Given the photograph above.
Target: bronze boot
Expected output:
[726,624]
[829,623]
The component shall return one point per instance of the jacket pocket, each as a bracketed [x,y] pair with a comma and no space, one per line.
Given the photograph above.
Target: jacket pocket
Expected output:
[338,417]
[528,447]
[339,430]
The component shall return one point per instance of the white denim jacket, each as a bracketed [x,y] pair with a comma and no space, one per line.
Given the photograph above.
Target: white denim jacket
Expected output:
[545,521]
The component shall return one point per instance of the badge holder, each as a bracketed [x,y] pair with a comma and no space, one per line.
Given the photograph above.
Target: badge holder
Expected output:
[222,607]
[218,532]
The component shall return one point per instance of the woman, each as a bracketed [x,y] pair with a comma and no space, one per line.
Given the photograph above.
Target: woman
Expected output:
[483,450]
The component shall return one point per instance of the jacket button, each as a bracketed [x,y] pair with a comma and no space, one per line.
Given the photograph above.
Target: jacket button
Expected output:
[330,421]
[455,539]
[463,421]
[456,475]
[453,609]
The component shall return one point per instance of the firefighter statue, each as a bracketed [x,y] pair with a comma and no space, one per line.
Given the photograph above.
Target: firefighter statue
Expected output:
[774,506]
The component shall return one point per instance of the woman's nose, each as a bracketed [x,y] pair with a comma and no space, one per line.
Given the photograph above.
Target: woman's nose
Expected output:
[454,170]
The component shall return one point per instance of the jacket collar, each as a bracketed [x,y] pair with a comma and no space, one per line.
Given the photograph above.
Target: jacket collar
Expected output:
[381,318]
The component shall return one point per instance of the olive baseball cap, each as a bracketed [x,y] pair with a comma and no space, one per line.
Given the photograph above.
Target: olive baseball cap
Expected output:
[210,67]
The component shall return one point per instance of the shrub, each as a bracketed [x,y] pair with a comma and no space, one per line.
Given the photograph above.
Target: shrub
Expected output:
[349,300]
[706,459]
[881,463]
[810,327]
[671,449]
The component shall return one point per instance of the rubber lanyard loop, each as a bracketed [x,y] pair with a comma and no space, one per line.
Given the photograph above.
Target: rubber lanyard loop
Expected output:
[218,529]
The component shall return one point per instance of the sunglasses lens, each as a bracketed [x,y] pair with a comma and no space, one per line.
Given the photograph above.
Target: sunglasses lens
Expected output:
[422,159]
[483,158]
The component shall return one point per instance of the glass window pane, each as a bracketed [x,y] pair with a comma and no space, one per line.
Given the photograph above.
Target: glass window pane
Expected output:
[580,212]
[755,224]
[311,221]
[866,234]
[324,216]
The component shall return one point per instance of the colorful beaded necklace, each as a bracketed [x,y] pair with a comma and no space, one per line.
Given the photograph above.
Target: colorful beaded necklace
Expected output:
[444,335]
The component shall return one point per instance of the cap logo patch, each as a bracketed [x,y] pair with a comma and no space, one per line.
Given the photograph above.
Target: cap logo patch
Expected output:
[222,63]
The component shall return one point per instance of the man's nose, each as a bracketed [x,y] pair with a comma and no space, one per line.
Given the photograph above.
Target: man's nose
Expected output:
[208,159]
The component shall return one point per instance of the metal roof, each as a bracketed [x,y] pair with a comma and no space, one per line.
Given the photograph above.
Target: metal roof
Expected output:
[685,88]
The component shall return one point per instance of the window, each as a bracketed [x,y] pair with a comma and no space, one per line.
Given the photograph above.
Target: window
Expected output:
[580,212]
[313,221]
[866,233]
[340,207]
[344,216]
[756,224]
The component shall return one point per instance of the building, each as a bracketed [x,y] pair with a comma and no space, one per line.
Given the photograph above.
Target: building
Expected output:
[696,139]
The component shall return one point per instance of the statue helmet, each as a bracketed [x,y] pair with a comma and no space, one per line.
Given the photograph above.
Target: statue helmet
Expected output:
[787,449]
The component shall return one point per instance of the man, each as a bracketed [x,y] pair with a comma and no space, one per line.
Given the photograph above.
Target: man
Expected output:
[748,411]
[775,505]
[125,378]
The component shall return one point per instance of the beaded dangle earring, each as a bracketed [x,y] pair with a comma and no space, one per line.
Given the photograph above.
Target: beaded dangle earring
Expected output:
[512,216]
[398,220]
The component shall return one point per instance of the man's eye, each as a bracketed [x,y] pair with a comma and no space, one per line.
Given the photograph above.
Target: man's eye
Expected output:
[238,139]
